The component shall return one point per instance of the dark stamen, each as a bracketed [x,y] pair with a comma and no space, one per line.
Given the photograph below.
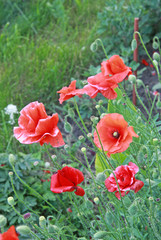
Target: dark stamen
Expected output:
[116,135]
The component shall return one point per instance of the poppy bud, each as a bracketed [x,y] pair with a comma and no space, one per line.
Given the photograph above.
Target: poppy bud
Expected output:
[134,44]
[96,200]
[101,177]
[83,149]
[42,221]
[27,215]
[100,102]
[67,127]
[155,141]
[10,174]
[94,46]
[139,83]
[23,230]
[97,106]
[3,221]
[156,56]
[47,164]
[66,147]
[54,157]
[155,45]
[100,234]
[81,138]
[132,78]
[71,113]
[89,135]
[155,63]
[10,201]
[151,199]
[102,115]
[11,159]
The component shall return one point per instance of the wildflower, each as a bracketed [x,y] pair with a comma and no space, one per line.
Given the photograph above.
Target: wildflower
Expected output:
[11,110]
[114,133]
[156,93]
[36,126]
[10,234]
[66,180]
[145,62]
[69,210]
[68,92]
[125,175]
[115,69]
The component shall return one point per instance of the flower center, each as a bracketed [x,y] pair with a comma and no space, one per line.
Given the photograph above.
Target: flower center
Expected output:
[116,134]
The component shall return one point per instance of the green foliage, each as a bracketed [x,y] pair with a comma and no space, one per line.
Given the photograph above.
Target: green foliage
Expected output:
[117,21]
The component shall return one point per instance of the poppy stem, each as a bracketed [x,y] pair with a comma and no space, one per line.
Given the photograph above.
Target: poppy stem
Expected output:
[99,40]
[55,163]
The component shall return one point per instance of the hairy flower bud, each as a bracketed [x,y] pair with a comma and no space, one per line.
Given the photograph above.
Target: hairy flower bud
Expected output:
[101,177]
[156,56]
[134,44]
[27,215]
[71,113]
[83,149]
[42,221]
[96,200]
[3,221]
[155,45]
[52,228]
[139,83]
[11,159]
[67,127]
[23,230]
[81,138]
[11,201]
[132,79]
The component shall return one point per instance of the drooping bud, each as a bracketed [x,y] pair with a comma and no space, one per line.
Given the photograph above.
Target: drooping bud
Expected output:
[67,127]
[101,177]
[94,46]
[11,159]
[156,56]
[81,138]
[71,113]
[100,235]
[11,201]
[139,83]
[155,45]
[23,230]
[134,44]
[132,79]
[3,221]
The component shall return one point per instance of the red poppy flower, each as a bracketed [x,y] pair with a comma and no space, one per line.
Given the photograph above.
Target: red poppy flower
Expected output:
[36,126]
[114,133]
[68,92]
[145,62]
[10,234]
[100,84]
[115,69]
[125,176]
[66,180]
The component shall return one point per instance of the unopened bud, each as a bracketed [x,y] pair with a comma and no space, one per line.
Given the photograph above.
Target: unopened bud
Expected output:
[36,163]
[155,45]
[96,200]
[89,135]
[134,44]
[27,215]
[67,127]
[94,119]
[151,199]
[10,201]
[42,221]
[132,78]
[81,138]
[23,230]
[139,83]
[53,228]
[94,46]
[83,149]
[10,174]
[100,235]
[3,221]
[69,210]
[66,147]
[11,159]
[54,157]
[155,63]
[101,177]
[71,113]
[102,115]
[155,141]
[156,56]
[97,106]
[100,102]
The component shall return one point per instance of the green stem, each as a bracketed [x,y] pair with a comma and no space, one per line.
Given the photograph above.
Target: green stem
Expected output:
[99,40]
[32,190]
[152,108]
[55,163]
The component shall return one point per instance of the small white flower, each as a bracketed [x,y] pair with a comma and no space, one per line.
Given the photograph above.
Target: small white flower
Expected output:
[10,110]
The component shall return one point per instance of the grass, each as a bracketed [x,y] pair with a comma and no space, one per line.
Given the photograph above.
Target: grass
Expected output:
[43,45]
